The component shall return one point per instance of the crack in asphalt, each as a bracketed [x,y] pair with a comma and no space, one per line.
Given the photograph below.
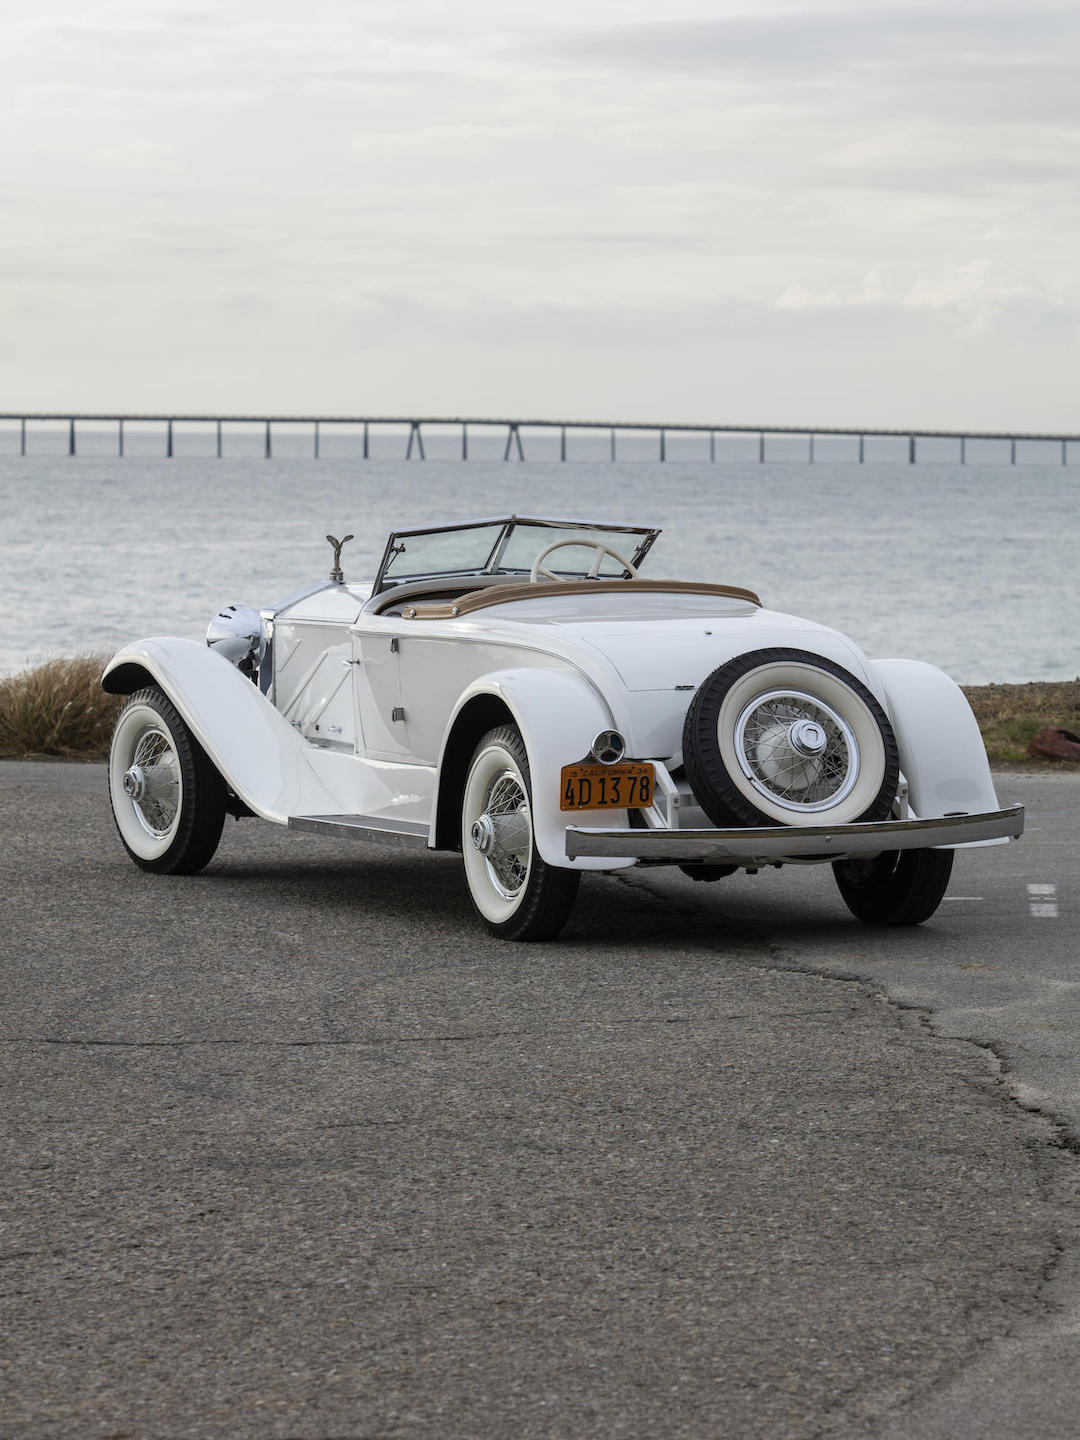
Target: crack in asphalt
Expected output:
[252,1044]
[369,1042]
[1061,1135]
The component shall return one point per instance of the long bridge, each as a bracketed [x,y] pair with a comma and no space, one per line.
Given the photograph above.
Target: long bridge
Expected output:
[411,431]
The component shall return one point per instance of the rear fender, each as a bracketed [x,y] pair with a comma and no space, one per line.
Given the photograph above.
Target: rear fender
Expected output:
[559,715]
[255,749]
[941,750]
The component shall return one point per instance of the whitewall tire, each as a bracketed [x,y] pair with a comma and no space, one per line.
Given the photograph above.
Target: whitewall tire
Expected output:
[168,800]
[516,894]
[783,737]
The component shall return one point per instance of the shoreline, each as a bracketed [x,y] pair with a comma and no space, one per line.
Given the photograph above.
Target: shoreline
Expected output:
[58,712]
[1010,715]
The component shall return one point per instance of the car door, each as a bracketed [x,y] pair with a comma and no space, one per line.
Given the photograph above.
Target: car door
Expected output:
[377,666]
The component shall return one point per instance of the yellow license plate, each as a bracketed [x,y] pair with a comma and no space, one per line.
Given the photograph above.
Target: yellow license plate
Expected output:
[625,786]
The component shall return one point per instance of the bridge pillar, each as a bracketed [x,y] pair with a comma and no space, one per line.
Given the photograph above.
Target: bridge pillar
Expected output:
[513,435]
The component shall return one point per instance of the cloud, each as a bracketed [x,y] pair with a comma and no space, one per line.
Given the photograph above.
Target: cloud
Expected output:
[490,191]
[820,44]
[999,65]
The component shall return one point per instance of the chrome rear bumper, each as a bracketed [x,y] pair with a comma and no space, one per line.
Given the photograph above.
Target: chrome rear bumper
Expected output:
[769,844]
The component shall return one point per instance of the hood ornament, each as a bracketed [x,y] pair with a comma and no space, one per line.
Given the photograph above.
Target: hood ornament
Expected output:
[336,576]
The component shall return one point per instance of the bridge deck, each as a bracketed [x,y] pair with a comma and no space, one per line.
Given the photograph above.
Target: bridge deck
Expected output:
[514,447]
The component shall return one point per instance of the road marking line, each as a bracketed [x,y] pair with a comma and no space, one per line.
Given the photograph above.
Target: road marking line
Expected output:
[1042,901]
[963,897]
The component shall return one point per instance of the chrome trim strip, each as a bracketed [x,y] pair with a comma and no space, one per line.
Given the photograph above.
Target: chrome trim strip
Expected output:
[766,844]
[553,521]
[363,827]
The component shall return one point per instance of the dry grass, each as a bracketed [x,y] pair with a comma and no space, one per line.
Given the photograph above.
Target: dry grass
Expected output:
[1009,715]
[57,710]
[60,710]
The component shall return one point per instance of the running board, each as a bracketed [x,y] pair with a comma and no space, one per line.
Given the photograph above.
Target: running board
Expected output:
[364,827]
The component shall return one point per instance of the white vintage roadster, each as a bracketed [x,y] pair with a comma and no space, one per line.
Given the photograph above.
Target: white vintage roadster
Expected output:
[514,689]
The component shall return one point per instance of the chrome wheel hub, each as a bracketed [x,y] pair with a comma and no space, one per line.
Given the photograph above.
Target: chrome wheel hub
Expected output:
[807,737]
[135,783]
[482,834]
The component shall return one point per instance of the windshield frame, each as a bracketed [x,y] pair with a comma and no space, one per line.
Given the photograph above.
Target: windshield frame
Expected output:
[503,528]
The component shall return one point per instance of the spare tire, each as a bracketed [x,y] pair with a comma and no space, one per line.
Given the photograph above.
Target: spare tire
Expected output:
[783,737]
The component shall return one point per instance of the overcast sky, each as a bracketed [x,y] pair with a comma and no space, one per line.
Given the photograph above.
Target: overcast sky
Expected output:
[773,211]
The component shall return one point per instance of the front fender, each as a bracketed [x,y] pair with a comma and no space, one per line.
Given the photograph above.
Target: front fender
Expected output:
[258,753]
[559,714]
[941,750]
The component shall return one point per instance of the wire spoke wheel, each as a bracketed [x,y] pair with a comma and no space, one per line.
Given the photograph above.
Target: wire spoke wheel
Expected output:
[517,895]
[784,737]
[168,800]
[153,783]
[506,809]
[797,750]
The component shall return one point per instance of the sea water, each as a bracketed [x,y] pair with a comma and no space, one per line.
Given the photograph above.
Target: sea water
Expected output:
[973,568]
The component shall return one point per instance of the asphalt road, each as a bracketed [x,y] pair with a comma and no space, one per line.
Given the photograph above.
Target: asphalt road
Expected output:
[998,966]
[998,963]
[294,1149]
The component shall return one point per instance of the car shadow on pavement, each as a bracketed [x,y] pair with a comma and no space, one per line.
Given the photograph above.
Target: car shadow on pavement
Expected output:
[610,912]
[647,910]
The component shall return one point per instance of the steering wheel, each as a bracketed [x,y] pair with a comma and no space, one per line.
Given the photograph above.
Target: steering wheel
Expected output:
[599,551]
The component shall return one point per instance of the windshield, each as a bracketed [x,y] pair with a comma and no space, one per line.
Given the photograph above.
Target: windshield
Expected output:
[509,546]
[440,552]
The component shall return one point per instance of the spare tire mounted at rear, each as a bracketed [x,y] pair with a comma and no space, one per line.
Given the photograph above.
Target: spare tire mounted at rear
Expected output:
[784,737]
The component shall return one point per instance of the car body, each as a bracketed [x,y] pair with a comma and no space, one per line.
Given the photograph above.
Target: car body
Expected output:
[514,689]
